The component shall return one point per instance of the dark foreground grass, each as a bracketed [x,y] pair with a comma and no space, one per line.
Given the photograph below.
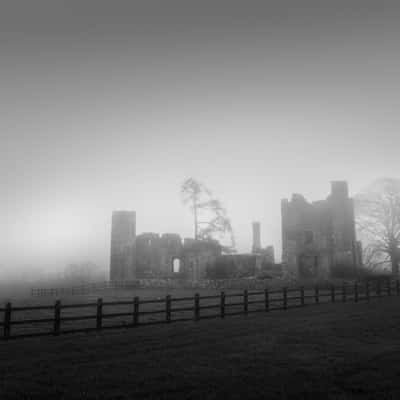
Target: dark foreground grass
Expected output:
[335,351]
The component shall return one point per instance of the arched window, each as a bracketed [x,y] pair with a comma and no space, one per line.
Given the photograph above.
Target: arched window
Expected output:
[176,265]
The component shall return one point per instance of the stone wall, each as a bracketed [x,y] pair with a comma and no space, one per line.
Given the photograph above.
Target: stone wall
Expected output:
[198,256]
[150,255]
[216,284]
[155,254]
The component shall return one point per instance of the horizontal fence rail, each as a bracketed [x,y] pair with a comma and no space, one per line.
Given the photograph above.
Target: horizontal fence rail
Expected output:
[59,318]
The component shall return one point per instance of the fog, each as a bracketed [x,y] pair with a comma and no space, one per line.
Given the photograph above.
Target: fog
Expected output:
[111,105]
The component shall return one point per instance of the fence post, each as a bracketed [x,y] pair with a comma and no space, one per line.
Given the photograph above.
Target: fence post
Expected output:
[355,292]
[333,293]
[397,287]
[222,304]
[266,300]
[7,321]
[284,292]
[388,287]
[302,302]
[136,311]
[367,290]
[344,292]
[196,307]
[316,294]
[99,314]
[57,317]
[168,308]
[378,288]
[245,302]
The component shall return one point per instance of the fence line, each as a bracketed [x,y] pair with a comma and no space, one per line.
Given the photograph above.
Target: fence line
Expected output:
[79,289]
[150,283]
[197,309]
[89,288]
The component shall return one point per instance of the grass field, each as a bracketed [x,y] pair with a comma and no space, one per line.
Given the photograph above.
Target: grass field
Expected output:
[332,351]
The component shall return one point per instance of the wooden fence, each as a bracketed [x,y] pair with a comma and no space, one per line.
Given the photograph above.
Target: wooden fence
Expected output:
[149,283]
[18,321]
[82,289]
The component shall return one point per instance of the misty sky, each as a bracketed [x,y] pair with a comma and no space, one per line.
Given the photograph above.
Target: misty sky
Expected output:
[110,104]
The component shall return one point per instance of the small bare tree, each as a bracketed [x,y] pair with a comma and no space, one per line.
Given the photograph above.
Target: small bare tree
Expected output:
[373,258]
[210,217]
[378,220]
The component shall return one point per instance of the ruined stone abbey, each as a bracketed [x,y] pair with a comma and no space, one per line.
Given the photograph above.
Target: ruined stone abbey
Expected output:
[317,237]
[151,255]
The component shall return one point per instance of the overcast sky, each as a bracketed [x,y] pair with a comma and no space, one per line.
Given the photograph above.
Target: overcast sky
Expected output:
[110,104]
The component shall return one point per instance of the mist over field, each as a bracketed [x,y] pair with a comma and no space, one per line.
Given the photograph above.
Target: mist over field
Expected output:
[111,105]
[199,199]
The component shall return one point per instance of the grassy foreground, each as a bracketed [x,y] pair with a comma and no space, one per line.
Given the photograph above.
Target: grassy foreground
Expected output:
[340,351]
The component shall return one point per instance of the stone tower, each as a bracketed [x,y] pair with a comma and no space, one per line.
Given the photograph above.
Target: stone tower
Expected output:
[343,225]
[319,238]
[123,235]
[256,237]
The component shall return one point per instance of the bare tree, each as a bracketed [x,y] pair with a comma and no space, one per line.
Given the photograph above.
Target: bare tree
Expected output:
[210,217]
[378,220]
[373,258]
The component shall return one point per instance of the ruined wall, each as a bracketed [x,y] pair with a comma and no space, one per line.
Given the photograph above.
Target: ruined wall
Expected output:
[320,235]
[155,254]
[269,255]
[171,248]
[198,256]
[233,266]
[264,255]
[151,255]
